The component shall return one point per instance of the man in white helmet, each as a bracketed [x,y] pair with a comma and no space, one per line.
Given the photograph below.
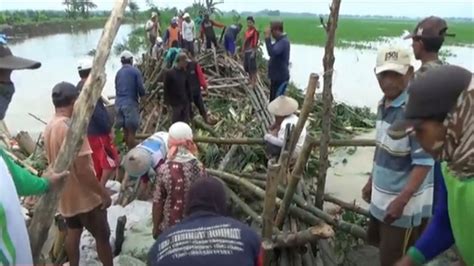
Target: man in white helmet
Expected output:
[145,158]
[99,132]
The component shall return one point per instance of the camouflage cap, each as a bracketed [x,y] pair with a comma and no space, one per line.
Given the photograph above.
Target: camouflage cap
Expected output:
[431,27]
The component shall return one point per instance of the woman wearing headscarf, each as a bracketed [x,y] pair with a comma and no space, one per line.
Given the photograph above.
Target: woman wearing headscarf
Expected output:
[440,111]
[199,239]
[175,177]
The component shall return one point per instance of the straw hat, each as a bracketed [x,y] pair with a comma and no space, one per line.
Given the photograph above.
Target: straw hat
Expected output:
[137,162]
[283,106]
[180,131]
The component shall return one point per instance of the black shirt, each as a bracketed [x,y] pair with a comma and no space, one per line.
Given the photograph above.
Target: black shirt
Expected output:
[176,87]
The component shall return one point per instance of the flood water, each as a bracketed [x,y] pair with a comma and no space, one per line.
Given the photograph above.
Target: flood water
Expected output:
[354,81]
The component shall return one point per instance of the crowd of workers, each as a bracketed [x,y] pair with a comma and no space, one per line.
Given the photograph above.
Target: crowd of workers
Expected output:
[420,189]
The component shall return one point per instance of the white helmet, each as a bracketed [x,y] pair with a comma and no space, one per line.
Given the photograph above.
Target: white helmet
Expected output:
[159,40]
[84,63]
[180,131]
[126,55]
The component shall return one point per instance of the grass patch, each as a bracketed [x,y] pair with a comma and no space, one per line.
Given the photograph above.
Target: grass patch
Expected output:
[309,31]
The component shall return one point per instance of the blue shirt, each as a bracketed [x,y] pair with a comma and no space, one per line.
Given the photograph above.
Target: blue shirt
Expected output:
[128,86]
[394,161]
[279,53]
[100,122]
[205,239]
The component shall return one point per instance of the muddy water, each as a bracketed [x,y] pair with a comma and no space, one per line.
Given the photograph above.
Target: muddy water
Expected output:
[59,55]
[354,81]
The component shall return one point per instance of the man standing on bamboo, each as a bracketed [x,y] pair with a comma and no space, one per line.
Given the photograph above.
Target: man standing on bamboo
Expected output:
[249,50]
[187,32]
[400,190]
[208,33]
[177,90]
[152,28]
[83,201]
[279,53]
[128,90]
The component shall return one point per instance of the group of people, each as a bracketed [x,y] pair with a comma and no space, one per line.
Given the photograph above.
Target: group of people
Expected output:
[421,185]
[420,190]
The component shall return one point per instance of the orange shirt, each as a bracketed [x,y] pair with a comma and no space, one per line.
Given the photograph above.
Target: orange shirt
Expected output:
[75,197]
[173,35]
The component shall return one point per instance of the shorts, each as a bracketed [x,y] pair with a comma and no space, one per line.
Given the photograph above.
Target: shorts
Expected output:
[229,44]
[95,221]
[127,117]
[392,241]
[104,154]
[250,62]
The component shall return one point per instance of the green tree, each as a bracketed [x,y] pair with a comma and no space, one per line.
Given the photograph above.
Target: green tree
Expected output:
[134,8]
[71,8]
[211,7]
[85,6]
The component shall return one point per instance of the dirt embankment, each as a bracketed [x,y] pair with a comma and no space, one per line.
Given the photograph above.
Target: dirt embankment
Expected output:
[52,27]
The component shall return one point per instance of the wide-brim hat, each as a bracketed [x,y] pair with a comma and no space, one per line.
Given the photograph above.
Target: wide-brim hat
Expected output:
[137,162]
[283,106]
[11,62]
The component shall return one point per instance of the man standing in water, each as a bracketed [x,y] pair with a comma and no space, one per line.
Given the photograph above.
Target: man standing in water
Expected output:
[279,53]
[128,90]
[400,189]
[427,39]
[83,201]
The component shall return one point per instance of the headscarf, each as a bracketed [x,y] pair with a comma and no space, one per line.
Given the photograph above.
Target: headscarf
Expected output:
[458,149]
[180,142]
[206,194]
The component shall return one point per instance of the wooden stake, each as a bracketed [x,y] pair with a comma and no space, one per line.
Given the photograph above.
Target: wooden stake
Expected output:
[305,111]
[39,227]
[269,200]
[301,238]
[293,182]
[328,62]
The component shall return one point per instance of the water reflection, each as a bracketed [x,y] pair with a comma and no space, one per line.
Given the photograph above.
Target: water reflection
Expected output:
[59,55]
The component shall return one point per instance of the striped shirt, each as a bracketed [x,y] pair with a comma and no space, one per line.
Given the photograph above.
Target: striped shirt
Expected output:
[393,162]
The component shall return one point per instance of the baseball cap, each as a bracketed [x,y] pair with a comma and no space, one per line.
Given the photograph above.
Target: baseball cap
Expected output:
[126,55]
[186,15]
[174,20]
[393,58]
[84,64]
[432,96]
[11,62]
[430,27]
[63,91]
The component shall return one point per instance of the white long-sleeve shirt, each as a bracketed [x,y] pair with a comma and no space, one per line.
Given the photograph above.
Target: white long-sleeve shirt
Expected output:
[187,31]
[280,138]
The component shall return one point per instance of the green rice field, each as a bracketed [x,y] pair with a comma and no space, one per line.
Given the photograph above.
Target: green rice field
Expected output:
[303,30]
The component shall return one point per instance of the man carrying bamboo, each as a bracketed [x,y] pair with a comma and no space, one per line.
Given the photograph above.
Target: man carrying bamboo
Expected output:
[279,62]
[400,189]
[83,201]
[208,33]
[15,180]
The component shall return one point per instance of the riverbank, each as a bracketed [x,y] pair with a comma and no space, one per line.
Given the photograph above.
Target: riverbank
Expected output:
[28,30]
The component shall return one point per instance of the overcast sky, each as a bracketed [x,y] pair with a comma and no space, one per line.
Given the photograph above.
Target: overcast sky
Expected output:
[409,8]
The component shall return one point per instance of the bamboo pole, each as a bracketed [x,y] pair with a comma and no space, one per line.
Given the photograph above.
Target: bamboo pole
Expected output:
[346,205]
[261,141]
[328,62]
[39,227]
[269,207]
[293,182]
[305,111]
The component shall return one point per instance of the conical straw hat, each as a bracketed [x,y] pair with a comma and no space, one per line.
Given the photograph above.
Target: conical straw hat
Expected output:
[283,106]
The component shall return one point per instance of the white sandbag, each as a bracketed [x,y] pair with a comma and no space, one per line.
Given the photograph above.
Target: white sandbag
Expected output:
[125,260]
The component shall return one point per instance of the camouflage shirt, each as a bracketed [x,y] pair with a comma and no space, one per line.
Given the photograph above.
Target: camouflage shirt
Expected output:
[428,65]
